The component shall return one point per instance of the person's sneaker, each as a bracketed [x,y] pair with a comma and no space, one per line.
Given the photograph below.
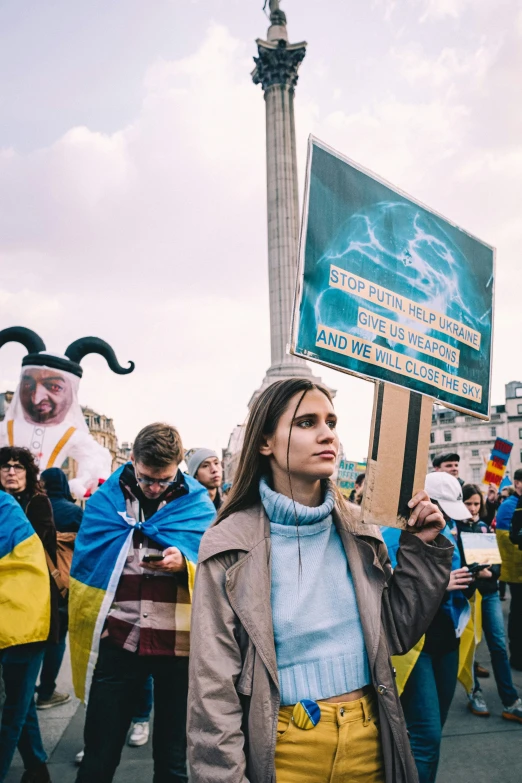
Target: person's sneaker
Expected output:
[54,701]
[79,757]
[139,735]
[39,774]
[481,671]
[477,705]
[514,712]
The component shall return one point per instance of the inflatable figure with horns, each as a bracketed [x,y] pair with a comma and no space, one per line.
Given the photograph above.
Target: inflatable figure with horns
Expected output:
[45,415]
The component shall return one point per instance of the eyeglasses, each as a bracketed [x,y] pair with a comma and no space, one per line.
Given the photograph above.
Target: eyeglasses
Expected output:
[145,481]
[8,468]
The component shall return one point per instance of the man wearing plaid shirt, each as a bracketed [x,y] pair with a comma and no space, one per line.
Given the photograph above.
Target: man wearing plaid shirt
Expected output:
[147,628]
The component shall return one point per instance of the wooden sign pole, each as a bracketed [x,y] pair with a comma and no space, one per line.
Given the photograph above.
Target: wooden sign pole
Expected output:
[398,456]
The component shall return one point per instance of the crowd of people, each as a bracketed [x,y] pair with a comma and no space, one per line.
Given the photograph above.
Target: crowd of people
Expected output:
[280,656]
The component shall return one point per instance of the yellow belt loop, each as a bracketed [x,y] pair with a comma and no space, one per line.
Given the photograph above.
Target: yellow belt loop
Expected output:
[10,432]
[59,446]
[366,715]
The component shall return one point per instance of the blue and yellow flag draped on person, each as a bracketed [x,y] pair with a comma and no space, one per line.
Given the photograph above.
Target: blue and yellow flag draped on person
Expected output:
[25,593]
[99,556]
[510,554]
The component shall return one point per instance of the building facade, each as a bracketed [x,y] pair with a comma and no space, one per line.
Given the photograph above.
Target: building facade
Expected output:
[230,456]
[473,439]
[102,430]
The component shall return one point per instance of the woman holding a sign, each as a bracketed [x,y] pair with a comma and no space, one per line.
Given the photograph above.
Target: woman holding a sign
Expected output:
[296,612]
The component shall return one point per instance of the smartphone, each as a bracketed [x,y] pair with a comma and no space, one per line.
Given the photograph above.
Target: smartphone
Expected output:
[153,558]
[474,568]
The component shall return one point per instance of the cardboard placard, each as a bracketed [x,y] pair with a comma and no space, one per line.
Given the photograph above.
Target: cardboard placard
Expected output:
[481,548]
[398,457]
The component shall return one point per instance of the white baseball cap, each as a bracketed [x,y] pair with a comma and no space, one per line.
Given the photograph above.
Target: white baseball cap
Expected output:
[446,490]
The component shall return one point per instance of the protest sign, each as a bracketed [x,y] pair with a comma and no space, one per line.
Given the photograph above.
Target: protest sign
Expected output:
[389,290]
[347,473]
[480,548]
[399,443]
[498,460]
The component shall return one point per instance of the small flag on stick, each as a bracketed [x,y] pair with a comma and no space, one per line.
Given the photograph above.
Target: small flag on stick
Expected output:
[498,460]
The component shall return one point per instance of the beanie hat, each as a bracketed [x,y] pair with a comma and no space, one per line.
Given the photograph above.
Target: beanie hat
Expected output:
[194,458]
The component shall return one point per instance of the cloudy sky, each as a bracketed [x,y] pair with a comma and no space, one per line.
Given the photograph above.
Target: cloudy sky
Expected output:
[132,179]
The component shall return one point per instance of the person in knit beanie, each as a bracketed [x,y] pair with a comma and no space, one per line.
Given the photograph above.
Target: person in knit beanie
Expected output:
[205,466]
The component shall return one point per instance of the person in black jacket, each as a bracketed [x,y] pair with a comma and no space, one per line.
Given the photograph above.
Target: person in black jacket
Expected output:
[67,515]
[492,621]
[67,519]
[19,478]
[515,529]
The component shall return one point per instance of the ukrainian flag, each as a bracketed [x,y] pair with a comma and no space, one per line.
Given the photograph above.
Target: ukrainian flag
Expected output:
[511,570]
[100,551]
[25,596]
[469,641]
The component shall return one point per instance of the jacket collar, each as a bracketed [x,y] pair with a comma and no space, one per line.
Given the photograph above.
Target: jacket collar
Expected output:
[244,530]
[240,532]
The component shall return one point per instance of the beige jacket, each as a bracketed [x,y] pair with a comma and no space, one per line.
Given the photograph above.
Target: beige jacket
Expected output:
[233,692]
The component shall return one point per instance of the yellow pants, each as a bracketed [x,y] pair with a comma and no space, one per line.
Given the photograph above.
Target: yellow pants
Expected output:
[344,747]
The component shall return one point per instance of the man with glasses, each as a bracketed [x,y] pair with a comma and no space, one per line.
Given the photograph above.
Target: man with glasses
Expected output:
[146,630]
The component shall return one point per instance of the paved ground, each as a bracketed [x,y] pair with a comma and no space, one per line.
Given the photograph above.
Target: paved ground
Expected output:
[474,750]
[481,750]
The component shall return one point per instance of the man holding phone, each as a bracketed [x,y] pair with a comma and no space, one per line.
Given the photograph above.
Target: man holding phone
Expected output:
[146,630]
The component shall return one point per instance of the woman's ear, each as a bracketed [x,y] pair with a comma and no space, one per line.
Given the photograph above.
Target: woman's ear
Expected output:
[265,447]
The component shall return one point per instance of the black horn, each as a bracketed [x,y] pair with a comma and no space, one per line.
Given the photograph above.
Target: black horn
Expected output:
[80,348]
[19,334]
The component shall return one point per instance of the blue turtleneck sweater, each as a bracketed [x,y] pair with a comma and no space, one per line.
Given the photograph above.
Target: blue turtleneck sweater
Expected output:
[317,629]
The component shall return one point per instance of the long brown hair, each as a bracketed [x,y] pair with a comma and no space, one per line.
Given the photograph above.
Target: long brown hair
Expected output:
[262,422]
[468,490]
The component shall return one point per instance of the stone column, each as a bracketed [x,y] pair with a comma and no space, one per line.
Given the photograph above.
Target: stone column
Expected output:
[276,71]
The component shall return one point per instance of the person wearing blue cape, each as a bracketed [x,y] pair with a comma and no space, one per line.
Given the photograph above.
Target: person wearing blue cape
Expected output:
[130,604]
